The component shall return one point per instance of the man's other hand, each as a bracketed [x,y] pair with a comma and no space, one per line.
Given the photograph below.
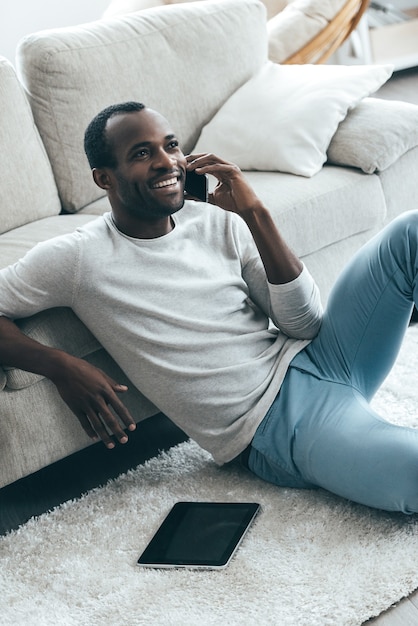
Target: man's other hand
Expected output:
[93,398]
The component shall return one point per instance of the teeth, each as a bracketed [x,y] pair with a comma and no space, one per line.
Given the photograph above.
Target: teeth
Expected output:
[165,183]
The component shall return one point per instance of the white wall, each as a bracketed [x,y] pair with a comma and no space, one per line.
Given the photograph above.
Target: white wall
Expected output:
[22,17]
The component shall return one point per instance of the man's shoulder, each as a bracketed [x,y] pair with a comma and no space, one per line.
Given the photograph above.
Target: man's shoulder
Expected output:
[68,243]
[96,225]
[96,229]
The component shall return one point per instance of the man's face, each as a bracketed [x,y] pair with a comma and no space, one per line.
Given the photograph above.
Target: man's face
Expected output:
[148,181]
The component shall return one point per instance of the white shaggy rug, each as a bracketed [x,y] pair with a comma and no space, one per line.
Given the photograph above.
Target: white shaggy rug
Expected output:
[310,559]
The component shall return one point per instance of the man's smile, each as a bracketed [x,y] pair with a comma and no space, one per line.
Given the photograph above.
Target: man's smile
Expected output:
[165,183]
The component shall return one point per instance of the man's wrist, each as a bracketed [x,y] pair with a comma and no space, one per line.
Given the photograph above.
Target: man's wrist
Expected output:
[53,363]
[255,214]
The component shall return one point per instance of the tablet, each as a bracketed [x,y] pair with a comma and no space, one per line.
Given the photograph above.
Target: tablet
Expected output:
[199,535]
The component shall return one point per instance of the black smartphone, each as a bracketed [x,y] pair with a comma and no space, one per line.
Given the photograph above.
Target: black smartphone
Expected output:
[196,185]
[199,535]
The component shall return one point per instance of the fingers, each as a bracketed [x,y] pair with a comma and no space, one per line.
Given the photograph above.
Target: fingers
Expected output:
[205,156]
[194,157]
[104,423]
[93,398]
[110,418]
[100,412]
[208,163]
[87,427]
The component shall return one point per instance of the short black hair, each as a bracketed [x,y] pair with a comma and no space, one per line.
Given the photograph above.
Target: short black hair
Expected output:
[96,145]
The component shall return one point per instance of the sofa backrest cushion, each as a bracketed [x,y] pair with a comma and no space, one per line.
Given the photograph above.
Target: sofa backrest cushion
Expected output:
[183,60]
[28,190]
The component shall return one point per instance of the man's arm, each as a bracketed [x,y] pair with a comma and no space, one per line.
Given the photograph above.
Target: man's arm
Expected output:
[295,304]
[88,391]
[234,194]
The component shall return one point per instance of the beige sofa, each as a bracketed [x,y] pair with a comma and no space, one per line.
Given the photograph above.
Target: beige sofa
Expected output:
[184,60]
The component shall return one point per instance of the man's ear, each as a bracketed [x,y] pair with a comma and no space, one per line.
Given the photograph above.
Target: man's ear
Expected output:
[101,178]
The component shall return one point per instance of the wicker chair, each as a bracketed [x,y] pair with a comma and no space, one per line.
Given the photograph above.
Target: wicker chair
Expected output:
[325,43]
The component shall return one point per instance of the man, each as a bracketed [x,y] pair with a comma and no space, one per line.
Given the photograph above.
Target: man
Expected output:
[181,293]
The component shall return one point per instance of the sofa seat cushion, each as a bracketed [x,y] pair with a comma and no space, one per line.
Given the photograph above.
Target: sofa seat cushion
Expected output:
[28,190]
[15,243]
[313,213]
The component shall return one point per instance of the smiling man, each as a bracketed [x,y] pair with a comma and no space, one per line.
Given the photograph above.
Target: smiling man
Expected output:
[179,292]
[182,295]
[143,191]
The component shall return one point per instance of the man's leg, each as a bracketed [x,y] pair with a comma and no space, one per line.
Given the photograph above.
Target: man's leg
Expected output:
[350,450]
[346,448]
[369,309]
[321,430]
[324,434]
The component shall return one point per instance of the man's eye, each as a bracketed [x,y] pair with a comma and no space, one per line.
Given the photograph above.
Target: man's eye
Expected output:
[173,144]
[141,153]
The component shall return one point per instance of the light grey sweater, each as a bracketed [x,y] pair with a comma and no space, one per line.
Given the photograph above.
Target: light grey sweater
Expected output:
[186,316]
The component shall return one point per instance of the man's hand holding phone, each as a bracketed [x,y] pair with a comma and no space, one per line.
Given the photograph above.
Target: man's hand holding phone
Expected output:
[233,192]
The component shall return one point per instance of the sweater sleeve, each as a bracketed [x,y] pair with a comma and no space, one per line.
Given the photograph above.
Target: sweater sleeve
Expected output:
[44,278]
[296,307]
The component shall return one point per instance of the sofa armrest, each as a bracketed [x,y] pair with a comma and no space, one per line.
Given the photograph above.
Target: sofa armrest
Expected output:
[374,135]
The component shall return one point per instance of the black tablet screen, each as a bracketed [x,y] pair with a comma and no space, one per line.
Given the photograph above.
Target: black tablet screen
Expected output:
[199,534]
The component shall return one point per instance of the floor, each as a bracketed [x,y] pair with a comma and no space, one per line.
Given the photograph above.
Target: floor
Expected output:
[70,478]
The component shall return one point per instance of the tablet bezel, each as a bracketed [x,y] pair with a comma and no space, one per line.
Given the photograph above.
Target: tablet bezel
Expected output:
[153,557]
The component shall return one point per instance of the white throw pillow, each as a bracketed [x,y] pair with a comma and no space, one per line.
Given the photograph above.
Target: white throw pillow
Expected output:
[285,116]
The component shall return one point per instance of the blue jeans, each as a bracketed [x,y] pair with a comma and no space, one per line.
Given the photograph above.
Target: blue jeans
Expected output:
[321,430]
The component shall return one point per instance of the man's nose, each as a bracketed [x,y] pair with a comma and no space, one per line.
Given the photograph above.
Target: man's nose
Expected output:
[164,160]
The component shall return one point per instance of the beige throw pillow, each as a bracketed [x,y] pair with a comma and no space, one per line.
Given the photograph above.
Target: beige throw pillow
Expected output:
[374,135]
